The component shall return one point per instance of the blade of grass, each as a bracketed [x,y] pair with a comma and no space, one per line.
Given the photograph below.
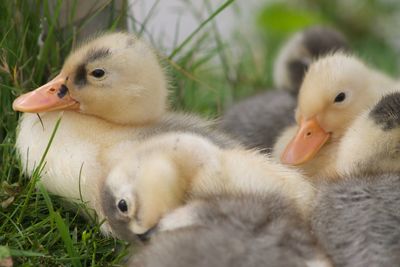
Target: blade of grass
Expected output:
[62,227]
[36,173]
[204,23]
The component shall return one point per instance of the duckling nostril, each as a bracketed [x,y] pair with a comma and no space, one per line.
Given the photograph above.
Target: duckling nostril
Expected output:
[308,133]
[52,90]
[62,91]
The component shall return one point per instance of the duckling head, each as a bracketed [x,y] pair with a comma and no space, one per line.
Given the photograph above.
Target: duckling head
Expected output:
[115,77]
[335,90]
[137,193]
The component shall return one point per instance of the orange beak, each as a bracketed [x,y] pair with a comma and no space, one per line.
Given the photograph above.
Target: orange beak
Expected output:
[307,142]
[54,95]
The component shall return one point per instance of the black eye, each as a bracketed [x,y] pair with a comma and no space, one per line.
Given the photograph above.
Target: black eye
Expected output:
[98,73]
[340,97]
[122,206]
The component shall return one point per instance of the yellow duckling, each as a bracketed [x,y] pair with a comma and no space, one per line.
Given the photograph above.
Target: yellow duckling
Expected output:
[167,170]
[335,90]
[110,90]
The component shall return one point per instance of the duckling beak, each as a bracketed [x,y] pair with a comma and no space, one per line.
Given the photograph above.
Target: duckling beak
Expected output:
[304,146]
[53,95]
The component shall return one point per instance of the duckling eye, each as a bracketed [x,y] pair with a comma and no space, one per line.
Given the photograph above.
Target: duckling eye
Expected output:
[97,73]
[340,97]
[123,206]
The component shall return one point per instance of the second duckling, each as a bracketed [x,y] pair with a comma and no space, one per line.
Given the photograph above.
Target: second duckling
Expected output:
[164,172]
[335,90]
[258,120]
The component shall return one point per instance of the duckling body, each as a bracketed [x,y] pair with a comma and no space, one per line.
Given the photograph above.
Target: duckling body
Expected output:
[250,230]
[168,170]
[80,155]
[356,220]
[258,120]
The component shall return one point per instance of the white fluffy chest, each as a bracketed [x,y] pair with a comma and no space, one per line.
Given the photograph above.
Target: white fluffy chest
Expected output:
[74,163]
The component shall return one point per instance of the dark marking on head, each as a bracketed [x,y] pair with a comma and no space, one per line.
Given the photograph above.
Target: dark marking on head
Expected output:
[321,40]
[80,76]
[62,91]
[297,69]
[96,54]
[386,113]
[93,55]
[119,224]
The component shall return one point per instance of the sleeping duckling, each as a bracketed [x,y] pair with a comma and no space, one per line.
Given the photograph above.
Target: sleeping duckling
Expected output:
[335,90]
[258,120]
[165,171]
[249,230]
[356,220]
[371,144]
[110,90]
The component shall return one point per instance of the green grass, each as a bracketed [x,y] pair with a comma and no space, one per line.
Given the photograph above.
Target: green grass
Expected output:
[38,229]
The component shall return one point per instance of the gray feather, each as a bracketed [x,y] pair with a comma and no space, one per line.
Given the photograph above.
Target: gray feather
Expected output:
[257,121]
[235,231]
[177,122]
[357,220]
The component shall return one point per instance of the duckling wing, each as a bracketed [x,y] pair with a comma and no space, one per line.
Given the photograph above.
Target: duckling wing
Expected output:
[257,121]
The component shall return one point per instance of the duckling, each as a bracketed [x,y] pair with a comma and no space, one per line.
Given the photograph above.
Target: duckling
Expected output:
[110,90]
[257,121]
[356,220]
[335,90]
[371,144]
[165,171]
[246,230]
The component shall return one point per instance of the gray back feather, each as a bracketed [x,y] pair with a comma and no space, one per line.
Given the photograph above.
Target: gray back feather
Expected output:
[247,231]
[257,121]
[357,220]
[178,122]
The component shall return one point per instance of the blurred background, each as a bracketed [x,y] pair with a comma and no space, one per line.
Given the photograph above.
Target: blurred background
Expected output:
[216,52]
